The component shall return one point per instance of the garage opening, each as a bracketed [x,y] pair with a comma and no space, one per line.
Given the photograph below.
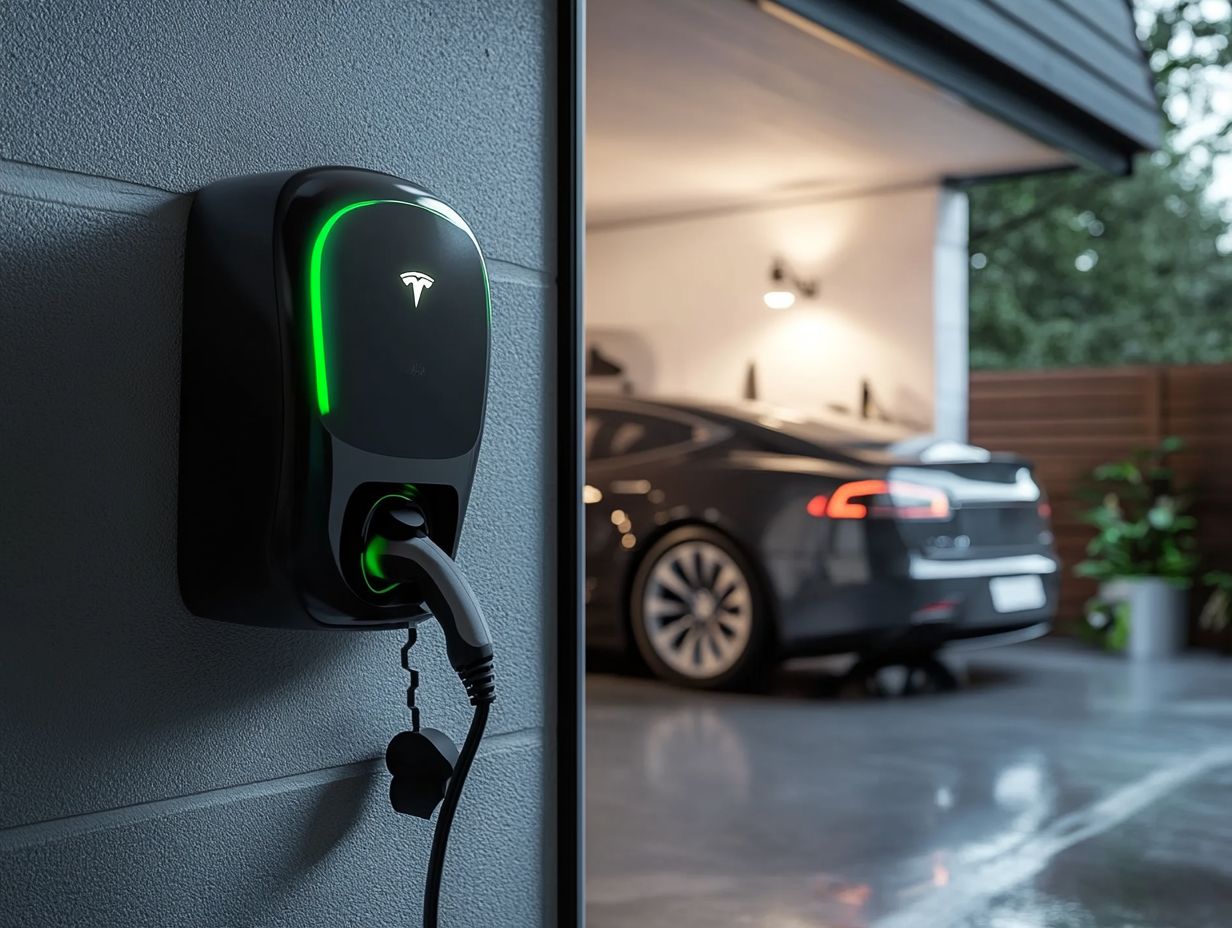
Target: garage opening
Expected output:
[786,525]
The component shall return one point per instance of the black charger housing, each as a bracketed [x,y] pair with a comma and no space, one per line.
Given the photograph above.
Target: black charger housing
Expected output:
[336,347]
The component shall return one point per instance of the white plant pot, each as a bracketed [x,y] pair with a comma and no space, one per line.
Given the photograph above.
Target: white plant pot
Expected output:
[1158,615]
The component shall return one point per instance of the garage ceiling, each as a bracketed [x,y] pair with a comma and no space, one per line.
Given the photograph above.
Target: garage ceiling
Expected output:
[701,104]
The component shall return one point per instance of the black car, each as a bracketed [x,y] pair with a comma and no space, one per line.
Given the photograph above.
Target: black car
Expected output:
[721,539]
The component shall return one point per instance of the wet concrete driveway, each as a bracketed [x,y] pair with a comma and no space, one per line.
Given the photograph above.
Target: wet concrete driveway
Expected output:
[1057,789]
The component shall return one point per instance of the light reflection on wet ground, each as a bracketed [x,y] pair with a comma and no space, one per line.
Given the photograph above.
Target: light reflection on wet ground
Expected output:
[1057,789]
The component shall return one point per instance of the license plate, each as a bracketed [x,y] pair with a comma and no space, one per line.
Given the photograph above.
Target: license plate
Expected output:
[1017,594]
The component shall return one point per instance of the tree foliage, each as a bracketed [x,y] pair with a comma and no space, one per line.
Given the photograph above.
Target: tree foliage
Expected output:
[1082,268]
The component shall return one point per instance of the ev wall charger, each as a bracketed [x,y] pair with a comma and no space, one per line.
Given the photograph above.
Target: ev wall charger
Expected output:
[335,354]
[335,372]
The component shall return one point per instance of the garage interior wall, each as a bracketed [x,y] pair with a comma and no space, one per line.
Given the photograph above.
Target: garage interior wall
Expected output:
[159,769]
[679,302]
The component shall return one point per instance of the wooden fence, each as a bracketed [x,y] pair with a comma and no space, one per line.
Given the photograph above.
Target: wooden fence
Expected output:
[1069,421]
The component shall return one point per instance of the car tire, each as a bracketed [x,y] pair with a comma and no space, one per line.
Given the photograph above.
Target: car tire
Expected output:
[698,614]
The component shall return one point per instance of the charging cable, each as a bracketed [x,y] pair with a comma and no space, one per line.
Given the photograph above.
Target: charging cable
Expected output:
[424,762]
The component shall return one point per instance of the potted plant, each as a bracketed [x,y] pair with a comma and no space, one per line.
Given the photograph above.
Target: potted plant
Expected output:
[1143,549]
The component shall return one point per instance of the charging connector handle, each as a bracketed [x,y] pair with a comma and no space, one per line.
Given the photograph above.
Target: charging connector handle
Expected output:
[400,549]
[446,593]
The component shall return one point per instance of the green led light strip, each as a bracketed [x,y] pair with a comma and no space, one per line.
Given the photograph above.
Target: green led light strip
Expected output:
[314,281]
[314,302]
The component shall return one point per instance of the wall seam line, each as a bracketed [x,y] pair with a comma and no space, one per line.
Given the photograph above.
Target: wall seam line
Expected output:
[14,166]
[61,187]
[510,273]
[15,837]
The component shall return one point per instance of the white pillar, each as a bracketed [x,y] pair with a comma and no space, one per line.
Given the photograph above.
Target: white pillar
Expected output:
[950,316]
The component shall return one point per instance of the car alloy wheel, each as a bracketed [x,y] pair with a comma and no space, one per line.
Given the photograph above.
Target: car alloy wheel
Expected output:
[697,610]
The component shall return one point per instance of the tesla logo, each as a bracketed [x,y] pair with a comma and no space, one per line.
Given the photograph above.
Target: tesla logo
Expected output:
[417,282]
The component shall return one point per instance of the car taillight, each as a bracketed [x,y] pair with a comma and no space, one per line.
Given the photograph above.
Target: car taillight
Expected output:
[817,507]
[882,499]
[1044,509]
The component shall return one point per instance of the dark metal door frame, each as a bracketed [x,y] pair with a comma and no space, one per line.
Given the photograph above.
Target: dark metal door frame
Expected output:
[569,692]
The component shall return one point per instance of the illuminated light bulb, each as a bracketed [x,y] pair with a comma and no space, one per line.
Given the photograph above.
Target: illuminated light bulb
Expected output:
[779,299]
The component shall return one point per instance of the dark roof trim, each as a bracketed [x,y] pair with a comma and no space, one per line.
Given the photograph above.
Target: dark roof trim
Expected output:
[1057,50]
[974,180]
[918,44]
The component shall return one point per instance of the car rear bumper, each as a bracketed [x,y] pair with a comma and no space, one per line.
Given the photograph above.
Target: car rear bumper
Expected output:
[925,604]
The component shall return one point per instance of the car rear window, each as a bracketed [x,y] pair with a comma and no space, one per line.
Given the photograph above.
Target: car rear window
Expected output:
[612,434]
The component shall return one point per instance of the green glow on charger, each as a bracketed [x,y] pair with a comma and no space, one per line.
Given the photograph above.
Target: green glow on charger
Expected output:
[372,557]
[371,564]
[315,307]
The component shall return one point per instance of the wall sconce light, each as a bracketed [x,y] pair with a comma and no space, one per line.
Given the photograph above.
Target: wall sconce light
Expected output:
[786,286]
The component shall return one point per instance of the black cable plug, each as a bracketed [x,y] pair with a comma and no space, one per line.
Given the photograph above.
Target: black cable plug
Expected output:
[421,763]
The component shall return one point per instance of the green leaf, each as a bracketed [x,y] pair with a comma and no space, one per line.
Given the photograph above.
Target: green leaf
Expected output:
[1161,517]
[1220,579]
[1171,444]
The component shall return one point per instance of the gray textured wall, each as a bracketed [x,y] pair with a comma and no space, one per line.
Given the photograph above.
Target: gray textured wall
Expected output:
[155,768]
